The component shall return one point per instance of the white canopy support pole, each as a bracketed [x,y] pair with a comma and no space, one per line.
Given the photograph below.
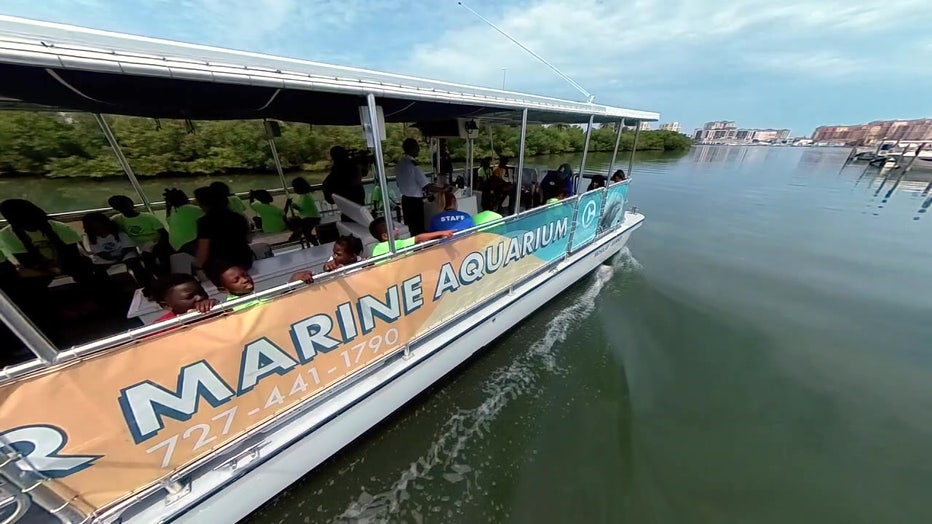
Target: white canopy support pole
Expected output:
[491,141]
[372,127]
[23,328]
[278,163]
[127,169]
[637,131]
[611,165]
[585,152]
[470,152]
[520,161]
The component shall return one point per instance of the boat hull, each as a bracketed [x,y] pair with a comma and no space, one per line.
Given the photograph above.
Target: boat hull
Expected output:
[326,429]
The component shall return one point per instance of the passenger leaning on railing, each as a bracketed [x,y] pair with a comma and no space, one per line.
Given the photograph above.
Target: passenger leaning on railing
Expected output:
[180,293]
[347,250]
[237,282]
[379,230]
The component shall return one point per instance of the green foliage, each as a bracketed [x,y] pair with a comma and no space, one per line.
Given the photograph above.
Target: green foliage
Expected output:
[72,145]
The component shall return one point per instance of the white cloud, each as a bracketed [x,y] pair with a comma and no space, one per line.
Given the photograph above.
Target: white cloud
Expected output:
[822,64]
[603,44]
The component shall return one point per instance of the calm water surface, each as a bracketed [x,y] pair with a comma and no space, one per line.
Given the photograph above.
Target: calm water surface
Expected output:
[759,355]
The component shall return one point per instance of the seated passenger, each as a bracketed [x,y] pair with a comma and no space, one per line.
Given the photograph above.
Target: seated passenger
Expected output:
[269,218]
[108,246]
[235,203]
[221,233]
[486,216]
[598,181]
[182,217]
[38,246]
[180,293]
[305,207]
[105,242]
[450,218]
[379,230]
[144,229]
[347,250]
[237,282]
[484,173]
[561,194]
[618,176]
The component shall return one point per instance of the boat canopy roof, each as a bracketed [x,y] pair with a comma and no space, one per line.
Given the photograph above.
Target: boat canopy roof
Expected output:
[54,66]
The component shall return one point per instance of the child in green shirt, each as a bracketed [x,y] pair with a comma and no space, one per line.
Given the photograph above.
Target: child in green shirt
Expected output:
[379,230]
[269,218]
[306,209]
[182,217]
[145,230]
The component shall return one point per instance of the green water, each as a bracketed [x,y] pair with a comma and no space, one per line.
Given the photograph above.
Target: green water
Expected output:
[760,355]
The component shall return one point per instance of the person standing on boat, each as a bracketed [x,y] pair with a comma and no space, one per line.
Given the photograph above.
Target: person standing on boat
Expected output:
[221,232]
[345,177]
[412,183]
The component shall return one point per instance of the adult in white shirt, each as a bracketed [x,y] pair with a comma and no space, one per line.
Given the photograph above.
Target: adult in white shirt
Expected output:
[412,182]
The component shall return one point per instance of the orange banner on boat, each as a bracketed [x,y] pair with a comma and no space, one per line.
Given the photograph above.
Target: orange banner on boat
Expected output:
[114,423]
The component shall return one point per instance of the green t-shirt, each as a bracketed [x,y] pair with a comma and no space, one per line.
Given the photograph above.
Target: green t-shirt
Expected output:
[485,216]
[305,206]
[11,245]
[245,305]
[182,225]
[237,204]
[273,218]
[142,229]
[377,198]
[382,247]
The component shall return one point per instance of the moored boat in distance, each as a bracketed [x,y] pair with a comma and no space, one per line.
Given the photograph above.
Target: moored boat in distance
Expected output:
[203,417]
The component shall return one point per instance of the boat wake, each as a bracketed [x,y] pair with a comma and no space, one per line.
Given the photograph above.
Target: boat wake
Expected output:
[505,385]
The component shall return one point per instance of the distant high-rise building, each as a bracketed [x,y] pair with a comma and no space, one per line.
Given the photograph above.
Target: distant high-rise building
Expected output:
[870,133]
[644,126]
[725,132]
[670,126]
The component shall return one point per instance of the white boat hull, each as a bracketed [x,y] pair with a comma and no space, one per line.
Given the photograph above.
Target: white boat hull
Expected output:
[239,486]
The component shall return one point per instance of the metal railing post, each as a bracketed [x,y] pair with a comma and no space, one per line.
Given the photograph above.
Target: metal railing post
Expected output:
[637,131]
[520,161]
[380,168]
[582,163]
[275,158]
[611,165]
[127,169]
[569,243]
[23,328]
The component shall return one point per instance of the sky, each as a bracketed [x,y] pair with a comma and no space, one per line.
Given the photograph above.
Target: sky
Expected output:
[793,64]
